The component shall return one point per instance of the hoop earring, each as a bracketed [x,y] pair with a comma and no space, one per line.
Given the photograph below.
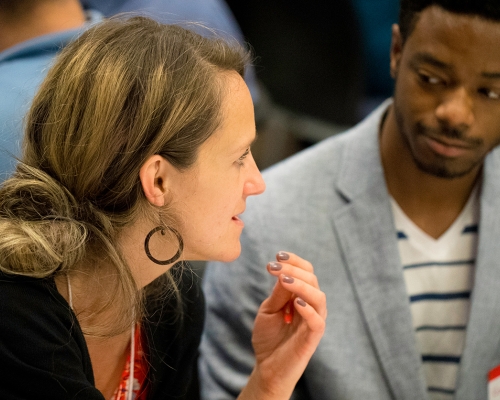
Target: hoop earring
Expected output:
[162,230]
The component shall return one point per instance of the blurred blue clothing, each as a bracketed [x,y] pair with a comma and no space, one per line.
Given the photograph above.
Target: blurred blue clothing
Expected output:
[22,69]
[214,14]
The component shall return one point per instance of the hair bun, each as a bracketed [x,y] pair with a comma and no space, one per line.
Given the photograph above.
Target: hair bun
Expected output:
[38,224]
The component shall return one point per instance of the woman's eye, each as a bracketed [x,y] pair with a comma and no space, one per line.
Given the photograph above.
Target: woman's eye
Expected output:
[243,156]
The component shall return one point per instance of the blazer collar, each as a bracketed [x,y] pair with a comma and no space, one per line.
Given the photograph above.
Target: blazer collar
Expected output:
[367,238]
[361,163]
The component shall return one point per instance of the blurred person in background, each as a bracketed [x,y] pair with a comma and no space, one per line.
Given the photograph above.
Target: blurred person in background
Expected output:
[32,32]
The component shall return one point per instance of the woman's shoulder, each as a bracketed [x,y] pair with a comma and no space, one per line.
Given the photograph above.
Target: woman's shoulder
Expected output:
[42,347]
[19,293]
[34,313]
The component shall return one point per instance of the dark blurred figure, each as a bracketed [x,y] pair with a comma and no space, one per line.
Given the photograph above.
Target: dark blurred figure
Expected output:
[309,56]
[309,59]
[323,67]
[375,21]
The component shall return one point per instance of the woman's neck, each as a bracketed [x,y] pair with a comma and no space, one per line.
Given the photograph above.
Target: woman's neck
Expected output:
[108,357]
[108,354]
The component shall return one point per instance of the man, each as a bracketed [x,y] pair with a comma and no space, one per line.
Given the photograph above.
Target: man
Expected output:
[388,214]
[32,32]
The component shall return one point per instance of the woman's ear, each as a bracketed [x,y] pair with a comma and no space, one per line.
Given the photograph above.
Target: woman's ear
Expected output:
[153,175]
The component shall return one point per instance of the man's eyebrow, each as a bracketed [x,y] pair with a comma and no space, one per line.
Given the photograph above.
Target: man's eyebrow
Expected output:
[427,58]
[430,59]
[491,75]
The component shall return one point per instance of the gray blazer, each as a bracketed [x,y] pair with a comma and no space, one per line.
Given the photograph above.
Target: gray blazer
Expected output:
[330,205]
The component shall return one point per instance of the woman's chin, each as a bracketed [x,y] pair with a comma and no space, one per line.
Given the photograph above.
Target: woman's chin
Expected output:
[226,255]
[230,255]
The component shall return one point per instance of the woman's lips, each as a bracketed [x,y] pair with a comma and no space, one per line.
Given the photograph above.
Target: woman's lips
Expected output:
[238,220]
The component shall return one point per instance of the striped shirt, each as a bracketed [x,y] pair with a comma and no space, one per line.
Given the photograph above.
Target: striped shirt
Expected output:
[439,277]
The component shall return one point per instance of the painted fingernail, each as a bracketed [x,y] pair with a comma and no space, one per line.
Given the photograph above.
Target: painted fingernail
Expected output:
[287,279]
[301,302]
[274,266]
[283,256]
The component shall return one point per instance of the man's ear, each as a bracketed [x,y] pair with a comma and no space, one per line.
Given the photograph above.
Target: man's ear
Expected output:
[396,50]
[153,176]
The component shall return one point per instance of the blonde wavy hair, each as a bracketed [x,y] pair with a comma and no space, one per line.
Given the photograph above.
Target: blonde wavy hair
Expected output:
[125,90]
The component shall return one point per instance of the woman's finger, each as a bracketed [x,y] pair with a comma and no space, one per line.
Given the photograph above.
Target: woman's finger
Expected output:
[277,300]
[294,273]
[279,268]
[293,259]
[310,294]
[313,319]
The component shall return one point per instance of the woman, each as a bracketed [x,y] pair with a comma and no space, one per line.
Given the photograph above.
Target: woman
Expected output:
[136,156]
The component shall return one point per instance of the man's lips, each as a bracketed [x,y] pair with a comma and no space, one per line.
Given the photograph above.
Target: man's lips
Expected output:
[448,147]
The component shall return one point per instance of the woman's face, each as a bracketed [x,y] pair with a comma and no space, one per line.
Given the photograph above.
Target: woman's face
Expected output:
[210,196]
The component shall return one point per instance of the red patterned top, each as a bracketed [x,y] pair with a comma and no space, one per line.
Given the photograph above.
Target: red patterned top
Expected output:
[140,372]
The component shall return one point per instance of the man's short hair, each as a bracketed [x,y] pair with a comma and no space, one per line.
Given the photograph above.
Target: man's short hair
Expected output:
[409,10]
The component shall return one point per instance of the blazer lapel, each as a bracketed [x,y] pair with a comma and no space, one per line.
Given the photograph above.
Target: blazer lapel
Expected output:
[367,236]
[482,347]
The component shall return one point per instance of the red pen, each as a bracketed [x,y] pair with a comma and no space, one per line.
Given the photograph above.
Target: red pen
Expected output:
[288,312]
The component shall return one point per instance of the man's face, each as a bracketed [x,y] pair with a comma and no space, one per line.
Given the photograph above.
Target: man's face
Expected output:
[447,92]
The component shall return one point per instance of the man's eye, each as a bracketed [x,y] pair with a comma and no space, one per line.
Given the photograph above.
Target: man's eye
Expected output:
[490,94]
[430,79]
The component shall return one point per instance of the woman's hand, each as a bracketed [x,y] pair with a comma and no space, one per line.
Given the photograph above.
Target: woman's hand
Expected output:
[287,330]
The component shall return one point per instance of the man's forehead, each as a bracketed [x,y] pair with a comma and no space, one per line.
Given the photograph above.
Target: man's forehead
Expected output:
[437,28]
